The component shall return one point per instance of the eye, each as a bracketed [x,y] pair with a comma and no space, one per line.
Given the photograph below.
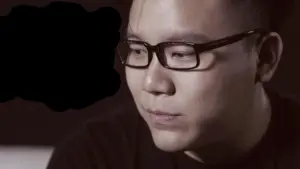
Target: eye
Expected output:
[183,54]
[137,49]
[180,52]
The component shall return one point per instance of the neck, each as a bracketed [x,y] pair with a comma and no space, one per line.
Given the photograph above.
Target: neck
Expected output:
[243,141]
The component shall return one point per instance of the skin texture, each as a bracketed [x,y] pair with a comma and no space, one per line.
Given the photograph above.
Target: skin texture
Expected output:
[223,110]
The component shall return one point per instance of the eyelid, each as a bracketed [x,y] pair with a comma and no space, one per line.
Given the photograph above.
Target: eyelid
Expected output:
[139,46]
[132,39]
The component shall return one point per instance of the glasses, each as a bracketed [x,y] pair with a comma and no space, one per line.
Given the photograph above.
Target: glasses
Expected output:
[176,55]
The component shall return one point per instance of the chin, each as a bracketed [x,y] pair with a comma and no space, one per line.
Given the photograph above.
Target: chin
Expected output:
[169,141]
[168,148]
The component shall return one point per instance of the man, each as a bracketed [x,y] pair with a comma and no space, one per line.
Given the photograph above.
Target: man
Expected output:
[196,71]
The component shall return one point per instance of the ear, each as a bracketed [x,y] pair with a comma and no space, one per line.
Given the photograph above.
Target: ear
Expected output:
[269,56]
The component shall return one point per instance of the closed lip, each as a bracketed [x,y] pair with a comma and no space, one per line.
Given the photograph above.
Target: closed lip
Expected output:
[162,113]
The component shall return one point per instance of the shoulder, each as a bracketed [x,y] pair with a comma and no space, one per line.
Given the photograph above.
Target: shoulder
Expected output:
[116,130]
[287,108]
[99,143]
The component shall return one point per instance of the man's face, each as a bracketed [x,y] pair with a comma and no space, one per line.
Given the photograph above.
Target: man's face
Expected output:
[212,103]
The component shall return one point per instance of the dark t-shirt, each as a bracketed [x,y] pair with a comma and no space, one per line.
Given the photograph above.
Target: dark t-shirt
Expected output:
[124,142]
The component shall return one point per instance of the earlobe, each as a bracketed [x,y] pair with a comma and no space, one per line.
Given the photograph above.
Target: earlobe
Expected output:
[269,56]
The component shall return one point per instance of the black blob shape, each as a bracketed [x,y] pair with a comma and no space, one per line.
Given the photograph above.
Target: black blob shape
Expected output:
[59,54]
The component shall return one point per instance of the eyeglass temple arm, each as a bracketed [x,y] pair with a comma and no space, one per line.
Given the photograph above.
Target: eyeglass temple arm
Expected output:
[230,40]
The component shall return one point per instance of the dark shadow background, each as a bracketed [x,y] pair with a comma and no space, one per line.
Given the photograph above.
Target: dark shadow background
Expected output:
[31,123]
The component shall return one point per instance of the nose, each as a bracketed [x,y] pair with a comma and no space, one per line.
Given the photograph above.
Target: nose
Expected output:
[157,79]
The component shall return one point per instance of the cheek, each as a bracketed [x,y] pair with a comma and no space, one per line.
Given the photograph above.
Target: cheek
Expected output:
[209,100]
[134,79]
[198,93]
[205,94]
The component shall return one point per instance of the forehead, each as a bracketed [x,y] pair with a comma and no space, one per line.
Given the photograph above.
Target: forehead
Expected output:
[164,18]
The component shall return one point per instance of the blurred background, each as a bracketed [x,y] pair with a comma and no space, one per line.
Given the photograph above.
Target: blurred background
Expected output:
[29,130]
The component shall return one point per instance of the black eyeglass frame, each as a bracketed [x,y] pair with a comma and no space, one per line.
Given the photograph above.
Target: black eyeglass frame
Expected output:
[199,48]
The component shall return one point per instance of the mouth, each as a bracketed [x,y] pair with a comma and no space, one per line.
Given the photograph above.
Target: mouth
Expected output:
[163,119]
[162,113]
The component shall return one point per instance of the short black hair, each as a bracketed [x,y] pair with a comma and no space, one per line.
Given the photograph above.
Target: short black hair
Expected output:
[269,14]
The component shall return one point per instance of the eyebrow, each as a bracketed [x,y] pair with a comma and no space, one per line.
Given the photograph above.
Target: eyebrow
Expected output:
[130,35]
[181,37]
[190,37]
